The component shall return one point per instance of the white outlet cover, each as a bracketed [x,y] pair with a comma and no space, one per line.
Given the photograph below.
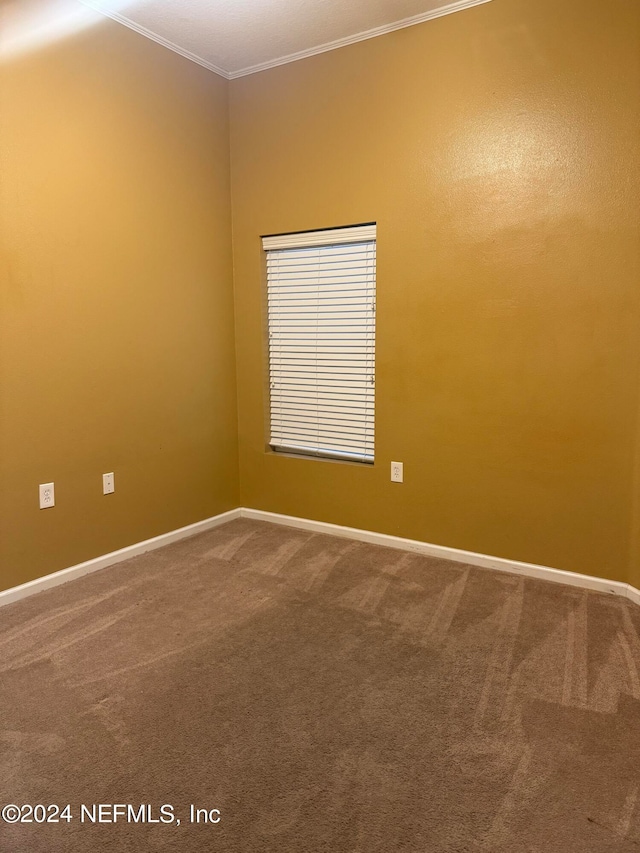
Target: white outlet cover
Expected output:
[47,495]
[108,484]
[397,472]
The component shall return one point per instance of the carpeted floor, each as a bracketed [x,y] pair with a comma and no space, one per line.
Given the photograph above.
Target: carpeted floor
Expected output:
[323,695]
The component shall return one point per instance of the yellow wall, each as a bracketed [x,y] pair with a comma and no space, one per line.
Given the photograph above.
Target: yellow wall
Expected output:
[497,151]
[116,299]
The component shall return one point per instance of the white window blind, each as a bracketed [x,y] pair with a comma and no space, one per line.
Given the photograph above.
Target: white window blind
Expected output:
[321,316]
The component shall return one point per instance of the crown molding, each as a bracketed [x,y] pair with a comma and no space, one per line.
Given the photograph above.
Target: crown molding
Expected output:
[449,9]
[143,31]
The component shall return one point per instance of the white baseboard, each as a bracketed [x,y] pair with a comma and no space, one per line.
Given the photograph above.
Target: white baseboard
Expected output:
[633,594]
[457,555]
[8,596]
[472,558]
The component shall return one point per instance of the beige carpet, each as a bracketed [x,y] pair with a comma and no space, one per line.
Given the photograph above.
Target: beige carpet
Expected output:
[324,695]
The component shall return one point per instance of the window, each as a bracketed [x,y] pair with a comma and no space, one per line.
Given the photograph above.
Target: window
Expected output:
[321,317]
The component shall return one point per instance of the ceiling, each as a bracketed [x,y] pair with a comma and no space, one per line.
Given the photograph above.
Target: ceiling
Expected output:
[238,37]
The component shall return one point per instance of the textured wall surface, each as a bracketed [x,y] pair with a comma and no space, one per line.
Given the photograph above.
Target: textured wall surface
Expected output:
[497,151]
[116,300]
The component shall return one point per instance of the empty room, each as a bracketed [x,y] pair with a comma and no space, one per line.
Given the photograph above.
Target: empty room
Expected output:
[320,426]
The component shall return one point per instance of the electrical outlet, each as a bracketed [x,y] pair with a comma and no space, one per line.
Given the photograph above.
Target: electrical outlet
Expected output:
[108,484]
[47,495]
[397,472]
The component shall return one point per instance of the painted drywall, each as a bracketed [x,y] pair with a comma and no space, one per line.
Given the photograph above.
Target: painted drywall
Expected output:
[634,545]
[116,311]
[497,151]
